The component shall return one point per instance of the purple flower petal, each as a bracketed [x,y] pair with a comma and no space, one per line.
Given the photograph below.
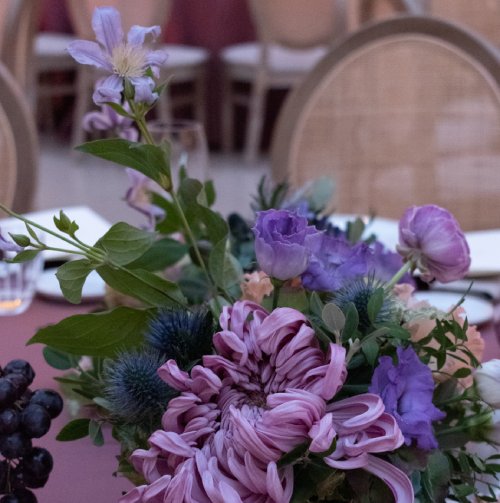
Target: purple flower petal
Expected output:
[107,26]
[7,246]
[144,90]
[108,90]
[87,52]
[398,482]
[137,34]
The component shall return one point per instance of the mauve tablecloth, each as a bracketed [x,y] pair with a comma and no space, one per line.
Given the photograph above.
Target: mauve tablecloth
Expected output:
[82,472]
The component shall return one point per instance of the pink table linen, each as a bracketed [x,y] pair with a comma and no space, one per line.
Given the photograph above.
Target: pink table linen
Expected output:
[82,472]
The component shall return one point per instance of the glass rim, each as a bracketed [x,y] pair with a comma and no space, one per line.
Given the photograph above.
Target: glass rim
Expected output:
[174,124]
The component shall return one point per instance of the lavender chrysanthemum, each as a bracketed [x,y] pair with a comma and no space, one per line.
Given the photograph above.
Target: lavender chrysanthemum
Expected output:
[133,388]
[431,238]
[124,59]
[265,392]
[407,389]
[181,335]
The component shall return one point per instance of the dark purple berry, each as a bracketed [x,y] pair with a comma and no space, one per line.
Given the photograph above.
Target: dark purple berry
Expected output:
[8,393]
[25,398]
[35,420]
[19,381]
[15,445]
[9,421]
[20,367]
[50,400]
[19,496]
[4,476]
[38,462]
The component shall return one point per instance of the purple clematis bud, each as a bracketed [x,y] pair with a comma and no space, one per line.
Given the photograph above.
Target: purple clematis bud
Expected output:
[8,246]
[284,242]
[123,59]
[431,238]
[406,390]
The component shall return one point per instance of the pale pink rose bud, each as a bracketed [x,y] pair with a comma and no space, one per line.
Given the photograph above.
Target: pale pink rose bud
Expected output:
[256,286]
[487,379]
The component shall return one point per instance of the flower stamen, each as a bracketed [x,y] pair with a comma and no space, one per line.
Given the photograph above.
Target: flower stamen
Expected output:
[128,61]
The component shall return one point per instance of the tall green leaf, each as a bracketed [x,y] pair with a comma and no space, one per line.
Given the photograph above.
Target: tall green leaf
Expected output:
[124,243]
[72,276]
[164,253]
[96,334]
[150,160]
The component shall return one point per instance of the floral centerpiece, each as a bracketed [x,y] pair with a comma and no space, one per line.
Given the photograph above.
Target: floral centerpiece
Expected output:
[279,360]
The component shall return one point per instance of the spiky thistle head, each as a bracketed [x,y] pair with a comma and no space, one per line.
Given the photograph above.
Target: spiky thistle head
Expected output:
[181,335]
[359,291]
[135,392]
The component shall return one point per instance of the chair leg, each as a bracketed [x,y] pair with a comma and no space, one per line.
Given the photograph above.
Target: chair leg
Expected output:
[227,113]
[84,83]
[255,119]
[165,106]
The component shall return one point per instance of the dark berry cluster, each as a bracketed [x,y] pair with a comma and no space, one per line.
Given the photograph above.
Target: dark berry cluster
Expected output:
[24,415]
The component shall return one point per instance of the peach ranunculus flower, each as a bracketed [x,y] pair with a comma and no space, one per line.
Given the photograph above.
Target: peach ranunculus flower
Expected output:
[256,286]
[420,319]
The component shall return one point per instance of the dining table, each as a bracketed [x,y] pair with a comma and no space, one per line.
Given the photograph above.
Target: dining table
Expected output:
[83,472]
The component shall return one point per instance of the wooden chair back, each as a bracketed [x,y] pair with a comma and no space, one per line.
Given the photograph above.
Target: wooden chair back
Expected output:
[298,23]
[18,144]
[403,112]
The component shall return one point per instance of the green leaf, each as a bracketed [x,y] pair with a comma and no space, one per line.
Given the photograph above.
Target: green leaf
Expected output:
[370,349]
[145,286]
[95,433]
[333,317]
[224,268]
[351,322]
[78,428]
[64,224]
[96,334]
[71,276]
[375,304]
[149,160]
[194,201]
[25,256]
[463,372]
[124,243]
[20,239]
[355,230]
[57,359]
[164,253]
[316,304]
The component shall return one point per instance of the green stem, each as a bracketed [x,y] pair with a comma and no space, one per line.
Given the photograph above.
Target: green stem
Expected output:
[406,268]
[85,248]
[277,284]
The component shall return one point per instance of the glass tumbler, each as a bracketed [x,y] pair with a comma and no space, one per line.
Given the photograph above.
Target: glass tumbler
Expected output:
[18,281]
[188,145]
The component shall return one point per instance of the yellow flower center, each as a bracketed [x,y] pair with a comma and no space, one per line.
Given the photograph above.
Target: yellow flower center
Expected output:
[128,61]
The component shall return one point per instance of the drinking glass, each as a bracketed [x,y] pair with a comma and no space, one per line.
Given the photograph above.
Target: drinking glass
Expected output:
[17,280]
[188,145]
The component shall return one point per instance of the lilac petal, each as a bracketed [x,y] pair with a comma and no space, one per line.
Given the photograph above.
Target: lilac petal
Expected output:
[156,59]
[143,87]
[6,245]
[274,484]
[348,464]
[137,34]
[170,442]
[96,120]
[157,488]
[133,496]
[87,52]
[322,434]
[397,481]
[107,26]
[109,90]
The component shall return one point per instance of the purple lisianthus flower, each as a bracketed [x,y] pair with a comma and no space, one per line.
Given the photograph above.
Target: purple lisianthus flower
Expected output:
[284,242]
[384,264]
[122,59]
[108,120]
[431,238]
[406,390]
[335,262]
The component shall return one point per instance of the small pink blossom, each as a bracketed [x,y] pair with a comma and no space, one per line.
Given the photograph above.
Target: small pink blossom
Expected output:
[256,286]
[265,392]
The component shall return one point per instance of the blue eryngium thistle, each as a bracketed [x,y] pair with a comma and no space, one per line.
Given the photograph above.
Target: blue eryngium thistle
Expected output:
[133,388]
[359,292]
[181,335]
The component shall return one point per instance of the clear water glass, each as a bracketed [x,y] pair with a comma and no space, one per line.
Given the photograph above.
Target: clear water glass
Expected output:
[188,145]
[18,281]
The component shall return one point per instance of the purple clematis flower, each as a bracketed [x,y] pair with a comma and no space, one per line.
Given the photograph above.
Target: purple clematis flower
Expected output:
[284,242]
[406,390]
[138,196]
[8,246]
[430,237]
[334,262]
[124,60]
[108,120]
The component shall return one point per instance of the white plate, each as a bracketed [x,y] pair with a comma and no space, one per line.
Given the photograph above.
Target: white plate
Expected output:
[477,310]
[48,286]
[484,252]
